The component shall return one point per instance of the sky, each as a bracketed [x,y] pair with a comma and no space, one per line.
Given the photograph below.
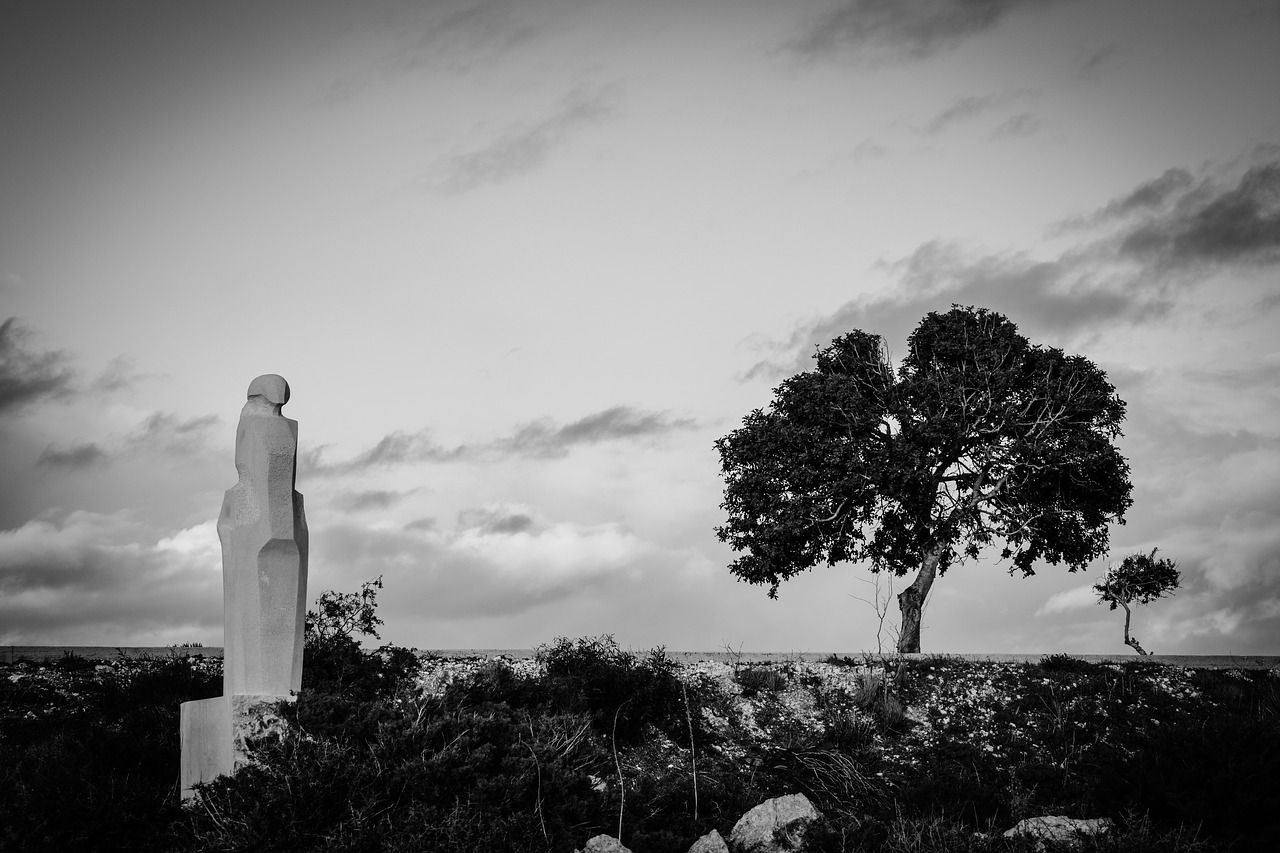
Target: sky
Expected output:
[522,263]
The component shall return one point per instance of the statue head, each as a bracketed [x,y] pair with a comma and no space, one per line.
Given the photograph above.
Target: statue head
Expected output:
[266,395]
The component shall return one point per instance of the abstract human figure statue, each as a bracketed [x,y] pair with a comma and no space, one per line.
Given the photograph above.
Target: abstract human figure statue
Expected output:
[264,581]
[264,550]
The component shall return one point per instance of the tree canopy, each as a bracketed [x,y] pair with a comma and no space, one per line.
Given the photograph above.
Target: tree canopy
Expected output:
[977,436]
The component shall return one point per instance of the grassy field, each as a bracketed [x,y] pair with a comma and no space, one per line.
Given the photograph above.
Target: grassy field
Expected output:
[387,753]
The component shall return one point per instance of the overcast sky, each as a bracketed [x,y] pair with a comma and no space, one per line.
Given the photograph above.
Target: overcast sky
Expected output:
[523,262]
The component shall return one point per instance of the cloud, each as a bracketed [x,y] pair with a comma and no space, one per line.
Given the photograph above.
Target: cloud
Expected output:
[1160,239]
[118,375]
[906,29]
[1023,124]
[376,499]
[1076,598]
[540,439]
[962,109]
[499,519]
[1212,224]
[76,456]
[1151,195]
[167,432]
[395,448]
[91,578]
[499,559]
[543,439]
[966,108]
[519,150]
[27,376]
[451,39]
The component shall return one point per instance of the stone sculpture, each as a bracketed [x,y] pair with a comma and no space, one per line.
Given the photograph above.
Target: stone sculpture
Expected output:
[264,582]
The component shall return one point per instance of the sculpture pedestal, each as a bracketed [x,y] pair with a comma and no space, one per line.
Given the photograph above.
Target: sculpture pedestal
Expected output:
[216,734]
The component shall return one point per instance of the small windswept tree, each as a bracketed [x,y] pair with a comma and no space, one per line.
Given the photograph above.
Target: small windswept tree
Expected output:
[340,615]
[1138,579]
[334,662]
[978,436]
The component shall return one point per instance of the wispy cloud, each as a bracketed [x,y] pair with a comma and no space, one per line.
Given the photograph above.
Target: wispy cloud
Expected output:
[1023,124]
[440,38]
[396,448]
[118,375]
[900,29]
[543,438]
[29,376]
[520,149]
[965,108]
[77,456]
[540,439]
[374,499]
[968,107]
[167,432]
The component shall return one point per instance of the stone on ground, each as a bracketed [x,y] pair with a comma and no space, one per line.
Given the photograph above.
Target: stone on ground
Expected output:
[757,831]
[1060,829]
[712,842]
[603,844]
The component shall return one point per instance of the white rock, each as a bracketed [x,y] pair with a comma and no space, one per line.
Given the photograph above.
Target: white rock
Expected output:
[755,831]
[1060,829]
[603,844]
[712,842]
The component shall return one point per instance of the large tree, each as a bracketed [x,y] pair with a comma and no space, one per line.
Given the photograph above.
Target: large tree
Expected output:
[978,436]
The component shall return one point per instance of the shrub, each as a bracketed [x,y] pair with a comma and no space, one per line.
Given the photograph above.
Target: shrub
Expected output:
[333,660]
[756,680]
[623,693]
[1065,663]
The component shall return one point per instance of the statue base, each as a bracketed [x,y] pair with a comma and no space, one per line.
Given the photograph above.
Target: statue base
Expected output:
[216,734]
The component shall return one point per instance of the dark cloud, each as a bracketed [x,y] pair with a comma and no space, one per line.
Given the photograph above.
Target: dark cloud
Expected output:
[426,524]
[521,149]
[1214,224]
[76,456]
[1044,298]
[500,520]
[101,579]
[376,499]
[396,448]
[1152,194]
[28,376]
[167,432]
[912,29]
[1162,237]
[542,439]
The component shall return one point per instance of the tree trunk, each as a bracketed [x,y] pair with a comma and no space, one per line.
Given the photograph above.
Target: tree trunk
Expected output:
[911,602]
[1130,641]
